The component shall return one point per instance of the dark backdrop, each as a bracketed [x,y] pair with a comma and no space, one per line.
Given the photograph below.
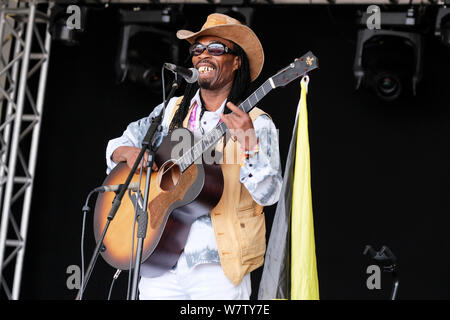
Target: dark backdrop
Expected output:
[379,170]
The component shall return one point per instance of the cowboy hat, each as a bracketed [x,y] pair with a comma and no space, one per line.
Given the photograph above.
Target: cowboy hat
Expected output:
[228,28]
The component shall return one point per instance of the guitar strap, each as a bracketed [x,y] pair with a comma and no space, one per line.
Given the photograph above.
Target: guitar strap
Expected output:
[175,108]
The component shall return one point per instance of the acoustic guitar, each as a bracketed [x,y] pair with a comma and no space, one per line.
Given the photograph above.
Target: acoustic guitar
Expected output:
[182,190]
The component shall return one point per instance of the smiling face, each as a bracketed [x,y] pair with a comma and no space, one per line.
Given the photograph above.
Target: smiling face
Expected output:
[215,72]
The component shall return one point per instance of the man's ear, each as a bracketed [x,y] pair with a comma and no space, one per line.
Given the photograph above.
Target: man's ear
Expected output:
[237,63]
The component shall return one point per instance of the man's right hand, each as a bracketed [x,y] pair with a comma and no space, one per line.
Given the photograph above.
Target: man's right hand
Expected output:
[129,155]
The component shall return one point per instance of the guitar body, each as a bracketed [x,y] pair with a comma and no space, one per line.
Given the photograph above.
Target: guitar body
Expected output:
[176,199]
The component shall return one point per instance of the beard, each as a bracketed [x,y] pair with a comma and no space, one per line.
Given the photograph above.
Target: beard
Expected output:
[204,84]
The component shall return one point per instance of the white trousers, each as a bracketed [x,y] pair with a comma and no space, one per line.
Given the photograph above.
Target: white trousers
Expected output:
[203,282]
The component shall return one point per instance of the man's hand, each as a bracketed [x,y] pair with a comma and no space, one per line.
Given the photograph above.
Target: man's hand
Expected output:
[130,154]
[240,126]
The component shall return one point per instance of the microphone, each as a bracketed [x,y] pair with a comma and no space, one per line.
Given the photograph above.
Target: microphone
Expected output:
[190,75]
[133,186]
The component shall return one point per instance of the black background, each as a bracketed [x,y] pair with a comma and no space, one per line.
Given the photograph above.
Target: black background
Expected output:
[379,170]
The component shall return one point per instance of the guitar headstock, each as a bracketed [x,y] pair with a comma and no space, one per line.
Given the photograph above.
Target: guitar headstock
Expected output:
[298,68]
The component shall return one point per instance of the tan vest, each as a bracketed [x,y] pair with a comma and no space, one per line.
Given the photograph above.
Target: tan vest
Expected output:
[238,221]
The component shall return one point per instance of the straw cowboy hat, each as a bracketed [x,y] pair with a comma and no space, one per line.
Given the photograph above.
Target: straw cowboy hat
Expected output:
[225,27]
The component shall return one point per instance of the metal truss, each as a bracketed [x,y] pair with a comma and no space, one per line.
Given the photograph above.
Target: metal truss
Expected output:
[24,56]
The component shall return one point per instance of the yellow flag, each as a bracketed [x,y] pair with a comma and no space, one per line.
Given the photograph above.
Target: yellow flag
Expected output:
[304,280]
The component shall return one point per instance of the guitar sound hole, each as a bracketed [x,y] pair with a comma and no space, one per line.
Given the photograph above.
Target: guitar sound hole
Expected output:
[170,175]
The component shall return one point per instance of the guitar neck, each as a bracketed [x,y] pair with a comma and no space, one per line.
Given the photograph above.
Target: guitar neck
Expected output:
[249,103]
[213,136]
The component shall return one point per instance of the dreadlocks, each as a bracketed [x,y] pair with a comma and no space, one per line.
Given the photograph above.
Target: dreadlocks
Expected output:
[238,91]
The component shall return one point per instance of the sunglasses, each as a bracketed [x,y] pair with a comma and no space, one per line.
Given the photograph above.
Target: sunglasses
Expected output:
[214,49]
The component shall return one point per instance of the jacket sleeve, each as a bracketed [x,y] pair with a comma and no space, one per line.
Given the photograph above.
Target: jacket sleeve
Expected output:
[132,136]
[261,173]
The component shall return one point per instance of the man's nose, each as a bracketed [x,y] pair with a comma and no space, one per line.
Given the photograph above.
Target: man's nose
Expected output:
[201,58]
[204,54]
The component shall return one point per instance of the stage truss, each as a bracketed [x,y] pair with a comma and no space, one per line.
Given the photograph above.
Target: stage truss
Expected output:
[24,57]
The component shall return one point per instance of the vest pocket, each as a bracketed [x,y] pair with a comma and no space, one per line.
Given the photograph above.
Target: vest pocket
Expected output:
[249,210]
[252,231]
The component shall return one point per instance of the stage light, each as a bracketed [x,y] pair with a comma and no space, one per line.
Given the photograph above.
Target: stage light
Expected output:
[148,76]
[388,61]
[147,41]
[388,86]
[442,28]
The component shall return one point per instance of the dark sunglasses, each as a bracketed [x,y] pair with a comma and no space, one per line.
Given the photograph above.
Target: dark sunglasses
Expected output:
[214,49]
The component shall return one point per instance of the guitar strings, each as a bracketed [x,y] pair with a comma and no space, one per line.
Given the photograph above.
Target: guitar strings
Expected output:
[195,146]
[179,159]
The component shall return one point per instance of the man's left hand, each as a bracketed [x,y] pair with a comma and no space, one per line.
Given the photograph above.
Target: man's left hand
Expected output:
[240,126]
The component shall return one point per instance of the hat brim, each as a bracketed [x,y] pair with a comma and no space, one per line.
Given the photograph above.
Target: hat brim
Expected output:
[239,34]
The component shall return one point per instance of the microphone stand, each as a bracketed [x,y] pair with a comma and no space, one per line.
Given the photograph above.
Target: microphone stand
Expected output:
[147,143]
[142,219]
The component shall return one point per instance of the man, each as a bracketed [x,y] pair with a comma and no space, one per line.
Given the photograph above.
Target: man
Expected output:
[225,245]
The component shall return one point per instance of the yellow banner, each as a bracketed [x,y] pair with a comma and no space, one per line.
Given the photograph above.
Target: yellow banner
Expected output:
[304,279]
